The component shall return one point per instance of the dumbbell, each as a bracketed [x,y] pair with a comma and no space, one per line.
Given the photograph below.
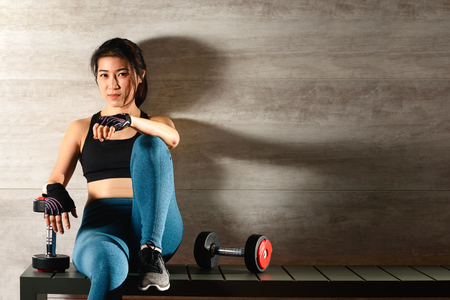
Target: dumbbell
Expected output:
[50,261]
[257,252]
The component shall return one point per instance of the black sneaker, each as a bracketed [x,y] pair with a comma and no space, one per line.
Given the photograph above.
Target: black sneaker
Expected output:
[152,269]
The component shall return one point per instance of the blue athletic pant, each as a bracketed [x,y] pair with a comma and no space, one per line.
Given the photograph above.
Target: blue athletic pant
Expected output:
[112,230]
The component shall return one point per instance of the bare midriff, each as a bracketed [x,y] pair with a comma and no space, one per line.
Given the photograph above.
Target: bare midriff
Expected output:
[109,188]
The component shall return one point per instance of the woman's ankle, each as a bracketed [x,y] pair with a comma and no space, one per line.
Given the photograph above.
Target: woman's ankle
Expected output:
[151,247]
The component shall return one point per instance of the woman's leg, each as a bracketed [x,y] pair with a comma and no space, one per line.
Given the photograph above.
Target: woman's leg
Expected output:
[100,251]
[155,215]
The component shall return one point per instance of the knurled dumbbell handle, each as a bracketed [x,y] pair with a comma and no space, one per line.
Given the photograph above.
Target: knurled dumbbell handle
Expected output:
[227,251]
[51,242]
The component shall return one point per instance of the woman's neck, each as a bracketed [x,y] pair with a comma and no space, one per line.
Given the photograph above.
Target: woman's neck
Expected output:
[133,110]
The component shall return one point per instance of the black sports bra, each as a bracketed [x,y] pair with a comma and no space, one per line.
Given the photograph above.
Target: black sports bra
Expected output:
[107,159]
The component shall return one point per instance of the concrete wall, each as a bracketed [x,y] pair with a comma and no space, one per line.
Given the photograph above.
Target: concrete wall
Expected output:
[322,124]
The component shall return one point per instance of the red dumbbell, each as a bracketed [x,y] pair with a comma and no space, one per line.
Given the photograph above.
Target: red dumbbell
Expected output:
[257,252]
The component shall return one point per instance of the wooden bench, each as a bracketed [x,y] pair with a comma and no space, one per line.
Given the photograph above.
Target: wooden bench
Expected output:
[277,282]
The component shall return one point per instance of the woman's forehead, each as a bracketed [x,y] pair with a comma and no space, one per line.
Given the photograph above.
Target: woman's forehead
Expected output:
[112,63]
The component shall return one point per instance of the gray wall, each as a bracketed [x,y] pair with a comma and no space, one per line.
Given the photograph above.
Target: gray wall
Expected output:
[322,124]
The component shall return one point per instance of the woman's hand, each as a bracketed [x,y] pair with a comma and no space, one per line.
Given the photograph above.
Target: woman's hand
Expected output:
[102,132]
[57,205]
[106,126]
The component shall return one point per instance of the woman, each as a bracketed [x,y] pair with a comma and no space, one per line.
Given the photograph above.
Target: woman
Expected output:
[131,218]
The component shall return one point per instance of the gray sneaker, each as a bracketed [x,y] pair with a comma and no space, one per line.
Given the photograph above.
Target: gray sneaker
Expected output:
[152,270]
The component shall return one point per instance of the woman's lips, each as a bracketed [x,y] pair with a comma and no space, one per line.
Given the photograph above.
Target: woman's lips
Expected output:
[113,96]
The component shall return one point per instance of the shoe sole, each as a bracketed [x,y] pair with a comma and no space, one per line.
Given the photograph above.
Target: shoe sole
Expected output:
[161,289]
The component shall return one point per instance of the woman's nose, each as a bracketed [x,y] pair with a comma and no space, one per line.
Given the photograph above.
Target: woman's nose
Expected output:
[114,84]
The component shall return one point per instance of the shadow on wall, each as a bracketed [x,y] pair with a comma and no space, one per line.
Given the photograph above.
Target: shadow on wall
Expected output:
[188,62]
[383,158]
[359,223]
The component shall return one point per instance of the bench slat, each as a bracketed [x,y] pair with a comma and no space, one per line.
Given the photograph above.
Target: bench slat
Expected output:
[200,274]
[338,273]
[237,272]
[436,272]
[275,273]
[372,273]
[305,273]
[178,272]
[405,273]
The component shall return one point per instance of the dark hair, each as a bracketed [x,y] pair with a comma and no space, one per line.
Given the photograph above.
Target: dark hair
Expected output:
[129,51]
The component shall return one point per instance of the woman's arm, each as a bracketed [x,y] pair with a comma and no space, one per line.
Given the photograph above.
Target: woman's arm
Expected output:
[66,162]
[69,153]
[159,126]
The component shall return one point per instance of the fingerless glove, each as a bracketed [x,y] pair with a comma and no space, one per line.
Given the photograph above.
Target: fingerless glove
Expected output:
[119,121]
[58,200]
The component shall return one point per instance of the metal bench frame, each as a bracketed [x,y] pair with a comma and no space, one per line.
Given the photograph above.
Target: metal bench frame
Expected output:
[277,281]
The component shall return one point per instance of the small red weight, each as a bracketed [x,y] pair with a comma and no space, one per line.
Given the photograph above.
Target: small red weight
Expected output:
[264,253]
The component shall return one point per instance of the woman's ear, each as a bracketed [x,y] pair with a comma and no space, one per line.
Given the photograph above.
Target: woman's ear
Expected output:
[141,77]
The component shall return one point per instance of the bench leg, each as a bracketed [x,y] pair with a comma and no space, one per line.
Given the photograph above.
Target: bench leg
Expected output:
[30,295]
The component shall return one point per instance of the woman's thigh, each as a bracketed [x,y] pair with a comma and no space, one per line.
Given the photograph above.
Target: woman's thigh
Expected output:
[101,245]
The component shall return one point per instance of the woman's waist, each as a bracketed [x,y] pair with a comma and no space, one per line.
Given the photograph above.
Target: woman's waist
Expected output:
[109,188]
[106,212]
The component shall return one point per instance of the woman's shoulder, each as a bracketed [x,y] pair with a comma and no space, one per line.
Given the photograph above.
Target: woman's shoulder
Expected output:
[81,123]
[79,127]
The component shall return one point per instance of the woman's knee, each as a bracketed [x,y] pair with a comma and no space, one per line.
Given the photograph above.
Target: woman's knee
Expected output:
[149,144]
[149,152]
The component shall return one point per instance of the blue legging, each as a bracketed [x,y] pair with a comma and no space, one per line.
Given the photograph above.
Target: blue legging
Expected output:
[112,230]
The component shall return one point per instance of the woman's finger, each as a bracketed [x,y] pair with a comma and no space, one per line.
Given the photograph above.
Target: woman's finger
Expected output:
[66,221]
[47,220]
[94,130]
[105,132]
[59,223]
[99,133]
[53,223]
[111,132]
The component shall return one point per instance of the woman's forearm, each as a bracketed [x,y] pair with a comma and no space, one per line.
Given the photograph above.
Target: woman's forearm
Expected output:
[158,126]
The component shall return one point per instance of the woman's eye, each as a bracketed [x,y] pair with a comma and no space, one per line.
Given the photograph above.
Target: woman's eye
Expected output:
[102,75]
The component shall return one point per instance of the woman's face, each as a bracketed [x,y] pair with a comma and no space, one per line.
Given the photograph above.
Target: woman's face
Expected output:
[117,81]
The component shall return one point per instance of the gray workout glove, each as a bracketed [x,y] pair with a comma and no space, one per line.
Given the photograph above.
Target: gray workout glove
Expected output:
[119,121]
[58,200]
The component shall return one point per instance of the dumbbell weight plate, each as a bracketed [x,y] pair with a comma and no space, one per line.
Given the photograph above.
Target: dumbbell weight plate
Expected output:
[58,263]
[203,253]
[258,252]
[39,204]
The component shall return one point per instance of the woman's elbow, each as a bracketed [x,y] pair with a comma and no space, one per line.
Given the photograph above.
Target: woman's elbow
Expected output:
[173,142]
